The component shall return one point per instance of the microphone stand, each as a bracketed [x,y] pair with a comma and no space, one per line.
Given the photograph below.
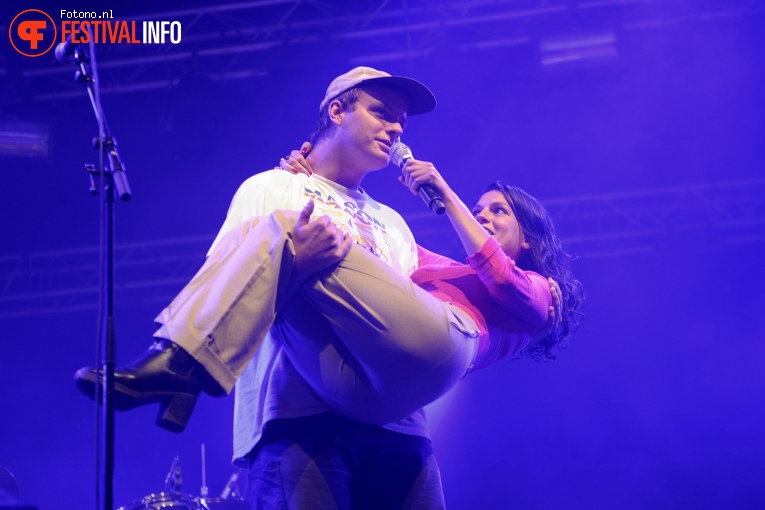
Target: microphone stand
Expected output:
[112,181]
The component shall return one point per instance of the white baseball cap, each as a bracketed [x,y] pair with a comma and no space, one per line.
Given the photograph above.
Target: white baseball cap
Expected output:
[421,99]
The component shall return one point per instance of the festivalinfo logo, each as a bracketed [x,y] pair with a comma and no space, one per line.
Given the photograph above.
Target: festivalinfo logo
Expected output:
[34,33]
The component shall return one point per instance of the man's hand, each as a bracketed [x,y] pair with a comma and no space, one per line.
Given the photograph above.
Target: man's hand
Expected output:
[318,244]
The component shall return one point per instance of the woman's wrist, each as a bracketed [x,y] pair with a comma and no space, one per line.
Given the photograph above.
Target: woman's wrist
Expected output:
[448,197]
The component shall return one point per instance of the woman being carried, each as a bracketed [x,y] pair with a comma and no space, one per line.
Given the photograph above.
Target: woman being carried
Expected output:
[412,339]
[372,343]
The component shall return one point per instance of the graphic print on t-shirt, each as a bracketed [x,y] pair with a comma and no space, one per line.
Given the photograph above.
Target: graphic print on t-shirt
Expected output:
[365,230]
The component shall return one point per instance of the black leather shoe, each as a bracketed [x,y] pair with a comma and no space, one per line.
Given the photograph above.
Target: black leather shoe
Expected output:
[166,374]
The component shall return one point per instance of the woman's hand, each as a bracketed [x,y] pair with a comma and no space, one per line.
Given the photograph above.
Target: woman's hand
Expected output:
[554,313]
[471,233]
[416,173]
[296,162]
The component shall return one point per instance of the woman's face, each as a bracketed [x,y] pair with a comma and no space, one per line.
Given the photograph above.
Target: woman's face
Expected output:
[496,216]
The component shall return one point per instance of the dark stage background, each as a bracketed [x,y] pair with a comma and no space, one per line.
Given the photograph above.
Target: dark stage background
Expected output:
[651,162]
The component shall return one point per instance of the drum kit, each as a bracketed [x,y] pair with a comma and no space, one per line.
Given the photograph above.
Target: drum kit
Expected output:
[173,499]
[170,501]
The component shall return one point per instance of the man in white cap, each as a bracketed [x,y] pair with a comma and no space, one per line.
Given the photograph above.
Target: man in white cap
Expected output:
[300,454]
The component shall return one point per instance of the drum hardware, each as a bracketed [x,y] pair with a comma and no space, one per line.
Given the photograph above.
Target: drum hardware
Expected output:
[231,490]
[163,501]
[203,490]
[172,499]
[174,479]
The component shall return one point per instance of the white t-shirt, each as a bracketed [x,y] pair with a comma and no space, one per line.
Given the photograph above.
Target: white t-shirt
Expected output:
[269,387]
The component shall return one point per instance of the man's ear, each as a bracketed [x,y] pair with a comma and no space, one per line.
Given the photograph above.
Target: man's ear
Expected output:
[336,111]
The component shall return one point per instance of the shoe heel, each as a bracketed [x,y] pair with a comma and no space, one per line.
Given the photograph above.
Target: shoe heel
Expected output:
[174,413]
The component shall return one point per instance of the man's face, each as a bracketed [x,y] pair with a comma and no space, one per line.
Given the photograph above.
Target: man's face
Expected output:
[372,124]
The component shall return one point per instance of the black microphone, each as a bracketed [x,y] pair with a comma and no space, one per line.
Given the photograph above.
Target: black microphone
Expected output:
[399,154]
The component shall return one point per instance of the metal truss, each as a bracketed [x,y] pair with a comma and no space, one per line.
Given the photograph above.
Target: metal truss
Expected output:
[250,39]
[591,226]
[640,221]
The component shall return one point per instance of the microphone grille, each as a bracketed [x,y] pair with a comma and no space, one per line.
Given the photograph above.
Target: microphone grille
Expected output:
[400,152]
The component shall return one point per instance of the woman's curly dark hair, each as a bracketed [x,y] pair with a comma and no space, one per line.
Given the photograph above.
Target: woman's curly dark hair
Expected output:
[546,257]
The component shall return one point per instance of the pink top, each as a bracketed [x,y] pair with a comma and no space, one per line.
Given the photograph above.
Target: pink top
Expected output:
[509,305]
